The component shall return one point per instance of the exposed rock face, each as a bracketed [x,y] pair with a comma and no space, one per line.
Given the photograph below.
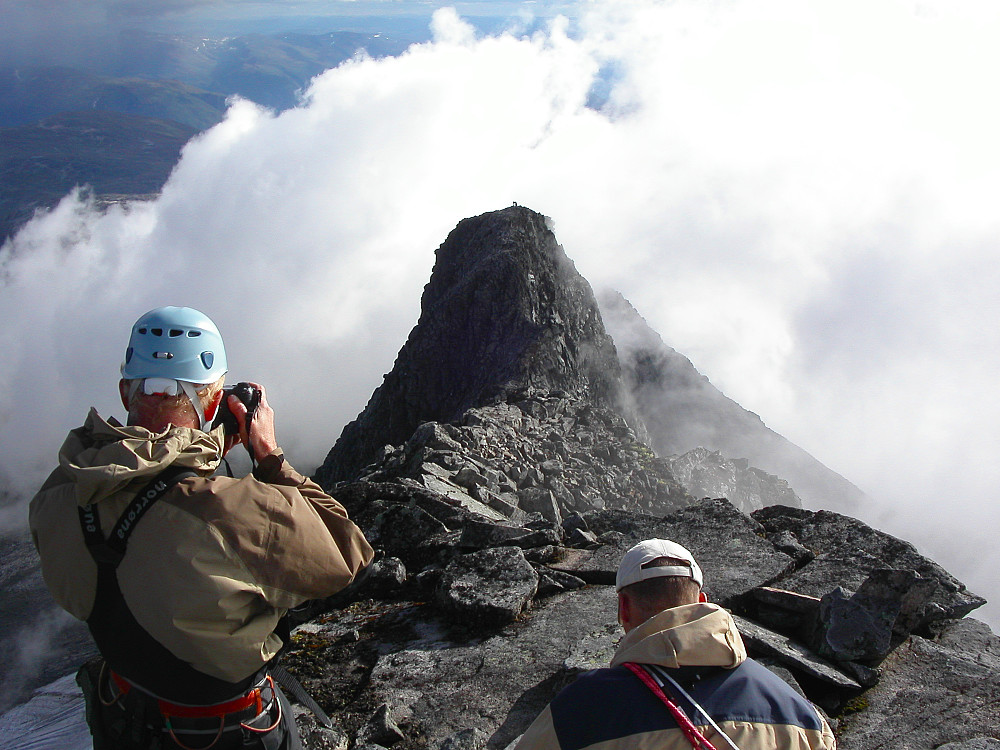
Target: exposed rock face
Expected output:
[462,646]
[682,410]
[503,505]
[706,473]
[506,321]
[505,309]
[933,691]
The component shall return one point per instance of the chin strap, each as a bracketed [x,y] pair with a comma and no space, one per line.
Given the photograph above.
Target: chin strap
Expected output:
[192,394]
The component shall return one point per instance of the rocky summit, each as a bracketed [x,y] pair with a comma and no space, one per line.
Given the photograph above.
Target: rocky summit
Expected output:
[504,311]
[507,463]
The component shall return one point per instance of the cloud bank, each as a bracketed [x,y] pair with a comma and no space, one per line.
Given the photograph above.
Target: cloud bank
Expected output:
[798,197]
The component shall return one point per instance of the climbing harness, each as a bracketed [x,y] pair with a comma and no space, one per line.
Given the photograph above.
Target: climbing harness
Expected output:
[288,681]
[231,714]
[127,647]
[653,679]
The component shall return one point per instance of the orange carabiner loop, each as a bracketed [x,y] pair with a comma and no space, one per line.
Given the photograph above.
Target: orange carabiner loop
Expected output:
[274,692]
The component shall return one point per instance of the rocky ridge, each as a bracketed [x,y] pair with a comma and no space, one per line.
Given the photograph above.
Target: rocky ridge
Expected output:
[504,310]
[544,453]
[467,626]
[501,514]
[682,410]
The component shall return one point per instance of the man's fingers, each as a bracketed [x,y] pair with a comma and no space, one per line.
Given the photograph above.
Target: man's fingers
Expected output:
[239,410]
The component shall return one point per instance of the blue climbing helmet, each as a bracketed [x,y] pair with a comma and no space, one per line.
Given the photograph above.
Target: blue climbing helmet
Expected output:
[176,343]
[173,350]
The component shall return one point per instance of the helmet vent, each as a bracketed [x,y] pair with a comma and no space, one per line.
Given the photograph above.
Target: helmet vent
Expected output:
[193,334]
[156,331]
[175,332]
[163,355]
[143,330]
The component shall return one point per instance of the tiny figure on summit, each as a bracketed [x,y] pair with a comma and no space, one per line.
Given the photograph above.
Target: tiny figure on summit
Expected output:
[182,577]
[680,678]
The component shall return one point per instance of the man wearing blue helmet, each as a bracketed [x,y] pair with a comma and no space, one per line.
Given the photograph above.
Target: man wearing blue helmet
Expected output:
[184,577]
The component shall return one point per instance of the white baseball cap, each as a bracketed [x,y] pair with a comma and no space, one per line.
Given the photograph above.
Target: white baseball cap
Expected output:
[635,566]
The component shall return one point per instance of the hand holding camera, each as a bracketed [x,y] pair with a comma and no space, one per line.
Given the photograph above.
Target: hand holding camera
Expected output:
[244,412]
[248,396]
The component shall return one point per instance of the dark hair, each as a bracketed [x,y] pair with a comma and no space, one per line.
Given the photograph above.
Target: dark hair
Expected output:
[664,592]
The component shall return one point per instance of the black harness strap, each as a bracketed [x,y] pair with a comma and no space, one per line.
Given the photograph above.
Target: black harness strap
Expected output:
[111,550]
[126,646]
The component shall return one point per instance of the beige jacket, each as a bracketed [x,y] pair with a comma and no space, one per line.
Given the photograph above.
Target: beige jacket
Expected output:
[215,563]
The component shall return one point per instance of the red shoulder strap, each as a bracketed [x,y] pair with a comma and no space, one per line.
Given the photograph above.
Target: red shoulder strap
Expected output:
[695,737]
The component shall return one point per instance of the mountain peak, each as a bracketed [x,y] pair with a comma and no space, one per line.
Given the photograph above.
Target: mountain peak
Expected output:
[505,312]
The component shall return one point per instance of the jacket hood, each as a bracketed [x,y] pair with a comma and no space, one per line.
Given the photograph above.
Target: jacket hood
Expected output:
[103,457]
[691,635]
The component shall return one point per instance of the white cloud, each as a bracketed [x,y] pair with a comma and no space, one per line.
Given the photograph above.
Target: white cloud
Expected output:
[796,196]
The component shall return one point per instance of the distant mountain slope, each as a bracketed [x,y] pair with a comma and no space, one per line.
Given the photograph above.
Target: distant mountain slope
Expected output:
[28,95]
[110,151]
[682,410]
[180,83]
[268,69]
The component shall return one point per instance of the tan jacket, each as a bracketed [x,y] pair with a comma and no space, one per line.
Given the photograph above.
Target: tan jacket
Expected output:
[610,709]
[215,563]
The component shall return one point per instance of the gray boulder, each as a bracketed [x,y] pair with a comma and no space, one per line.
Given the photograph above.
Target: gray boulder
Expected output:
[848,551]
[487,588]
[931,692]
[861,627]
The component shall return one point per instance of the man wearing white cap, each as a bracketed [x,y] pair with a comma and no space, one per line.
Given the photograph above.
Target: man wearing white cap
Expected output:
[680,678]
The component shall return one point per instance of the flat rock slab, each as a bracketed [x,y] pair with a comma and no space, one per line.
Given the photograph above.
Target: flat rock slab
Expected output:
[932,692]
[454,492]
[498,685]
[791,654]
[729,546]
[848,551]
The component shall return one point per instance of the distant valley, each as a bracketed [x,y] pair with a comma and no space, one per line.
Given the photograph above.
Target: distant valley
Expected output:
[117,124]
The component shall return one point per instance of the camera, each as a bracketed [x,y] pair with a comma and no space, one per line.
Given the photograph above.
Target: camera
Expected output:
[250,397]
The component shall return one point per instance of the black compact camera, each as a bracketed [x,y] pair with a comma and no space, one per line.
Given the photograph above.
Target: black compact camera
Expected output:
[250,397]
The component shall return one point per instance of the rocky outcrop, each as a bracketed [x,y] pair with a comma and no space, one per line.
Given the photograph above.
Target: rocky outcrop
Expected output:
[501,507]
[682,411]
[505,310]
[705,473]
[848,553]
[469,626]
[507,321]
[546,454]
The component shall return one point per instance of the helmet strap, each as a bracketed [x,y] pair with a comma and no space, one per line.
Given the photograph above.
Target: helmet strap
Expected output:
[192,394]
[133,389]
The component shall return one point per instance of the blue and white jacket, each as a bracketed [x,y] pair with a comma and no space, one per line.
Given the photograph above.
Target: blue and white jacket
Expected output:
[611,709]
